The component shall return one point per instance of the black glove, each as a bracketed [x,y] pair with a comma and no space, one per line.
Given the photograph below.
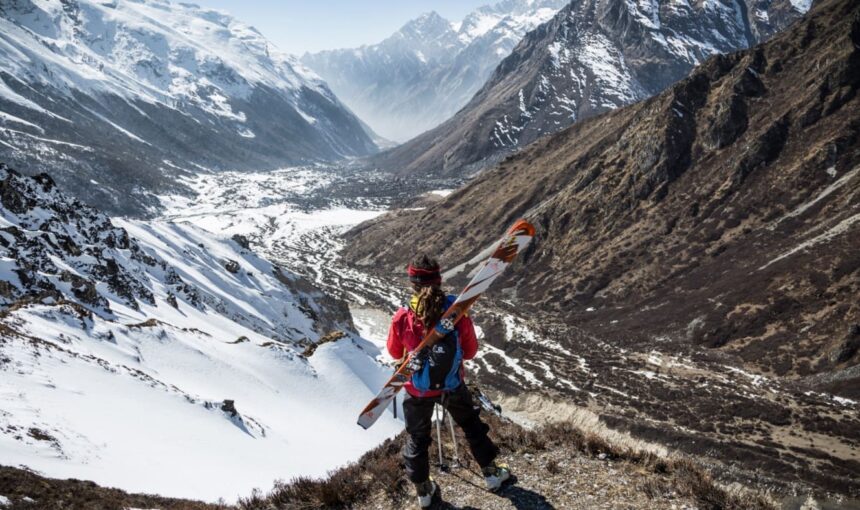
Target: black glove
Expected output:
[416,362]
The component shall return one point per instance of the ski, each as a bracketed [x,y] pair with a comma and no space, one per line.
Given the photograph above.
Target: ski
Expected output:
[513,242]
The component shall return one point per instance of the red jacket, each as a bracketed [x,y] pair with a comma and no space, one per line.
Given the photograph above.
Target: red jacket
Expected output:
[407,331]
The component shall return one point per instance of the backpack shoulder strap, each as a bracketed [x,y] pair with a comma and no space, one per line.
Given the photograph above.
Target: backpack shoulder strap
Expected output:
[449,300]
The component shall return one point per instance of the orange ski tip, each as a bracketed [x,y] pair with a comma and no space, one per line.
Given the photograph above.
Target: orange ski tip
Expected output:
[522,227]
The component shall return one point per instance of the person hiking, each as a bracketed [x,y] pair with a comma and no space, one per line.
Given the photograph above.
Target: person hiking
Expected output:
[438,378]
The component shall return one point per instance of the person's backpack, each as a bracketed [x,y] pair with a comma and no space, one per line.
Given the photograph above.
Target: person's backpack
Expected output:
[440,364]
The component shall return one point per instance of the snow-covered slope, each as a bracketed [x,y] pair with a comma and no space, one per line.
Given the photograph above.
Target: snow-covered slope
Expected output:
[593,56]
[120,342]
[430,68]
[128,93]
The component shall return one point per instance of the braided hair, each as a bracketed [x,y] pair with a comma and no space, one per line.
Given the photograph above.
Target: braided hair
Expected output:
[424,273]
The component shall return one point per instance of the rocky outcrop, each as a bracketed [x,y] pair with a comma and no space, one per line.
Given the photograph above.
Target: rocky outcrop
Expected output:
[55,245]
[232,266]
[721,213]
[229,407]
[593,56]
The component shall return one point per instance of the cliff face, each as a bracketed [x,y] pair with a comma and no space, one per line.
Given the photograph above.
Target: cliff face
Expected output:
[724,212]
[593,56]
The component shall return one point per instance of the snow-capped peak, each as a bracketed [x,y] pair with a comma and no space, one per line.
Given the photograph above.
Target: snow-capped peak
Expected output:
[156,49]
[429,68]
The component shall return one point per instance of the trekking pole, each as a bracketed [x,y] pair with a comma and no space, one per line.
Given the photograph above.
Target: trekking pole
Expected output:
[442,465]
[455,462]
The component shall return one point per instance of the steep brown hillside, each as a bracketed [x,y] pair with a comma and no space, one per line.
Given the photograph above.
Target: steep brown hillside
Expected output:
[724,212]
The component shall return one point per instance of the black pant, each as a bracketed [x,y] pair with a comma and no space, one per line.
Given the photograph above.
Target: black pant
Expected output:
[418,413]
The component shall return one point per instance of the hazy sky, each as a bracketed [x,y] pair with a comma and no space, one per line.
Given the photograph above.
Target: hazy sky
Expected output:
[296,26]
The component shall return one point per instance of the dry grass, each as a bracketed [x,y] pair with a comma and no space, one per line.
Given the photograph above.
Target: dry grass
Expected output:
[381,470]
[685,476]
[541,409]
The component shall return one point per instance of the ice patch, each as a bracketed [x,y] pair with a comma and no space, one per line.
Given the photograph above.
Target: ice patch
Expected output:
[824,194]
[840,228]
[523,110]
[755,379]
[605,61]
[8,117]
[845,401]
[801,5]
[559,54]
[512,363]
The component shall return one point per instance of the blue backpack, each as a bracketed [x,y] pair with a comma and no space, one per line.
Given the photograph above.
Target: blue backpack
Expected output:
[440,364]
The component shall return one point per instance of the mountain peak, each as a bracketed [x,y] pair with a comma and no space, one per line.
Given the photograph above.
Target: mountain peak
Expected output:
[430,16]
[430,68]
[427,26]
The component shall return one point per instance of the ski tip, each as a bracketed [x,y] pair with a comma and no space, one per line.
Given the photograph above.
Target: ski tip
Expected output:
[522,227]
[365,421]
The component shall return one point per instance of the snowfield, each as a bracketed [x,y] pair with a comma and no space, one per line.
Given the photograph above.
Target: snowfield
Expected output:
[125,383]
[140,407]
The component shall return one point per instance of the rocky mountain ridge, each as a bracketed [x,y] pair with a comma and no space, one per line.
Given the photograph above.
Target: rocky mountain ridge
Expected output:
[593,56]
[118,99]
[426,71]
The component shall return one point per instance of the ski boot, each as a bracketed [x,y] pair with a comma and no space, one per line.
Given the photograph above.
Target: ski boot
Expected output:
[428,493]
[496,475]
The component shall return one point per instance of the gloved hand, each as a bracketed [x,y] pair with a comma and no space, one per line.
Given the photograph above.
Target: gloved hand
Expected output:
[416,362]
